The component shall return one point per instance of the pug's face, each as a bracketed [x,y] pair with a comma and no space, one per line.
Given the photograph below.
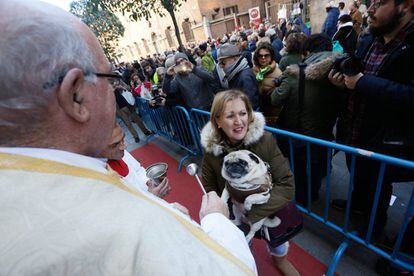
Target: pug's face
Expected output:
[244,170]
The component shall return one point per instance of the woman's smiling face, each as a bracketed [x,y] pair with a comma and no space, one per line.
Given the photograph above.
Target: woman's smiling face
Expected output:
[234,120]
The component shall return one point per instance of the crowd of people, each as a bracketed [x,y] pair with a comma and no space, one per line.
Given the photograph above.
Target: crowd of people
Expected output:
[75,201]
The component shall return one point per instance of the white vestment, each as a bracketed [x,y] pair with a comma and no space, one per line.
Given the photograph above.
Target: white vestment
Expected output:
[65,215]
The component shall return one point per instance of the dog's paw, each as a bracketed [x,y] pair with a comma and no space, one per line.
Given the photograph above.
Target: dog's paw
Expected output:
[225,195]
[274,222]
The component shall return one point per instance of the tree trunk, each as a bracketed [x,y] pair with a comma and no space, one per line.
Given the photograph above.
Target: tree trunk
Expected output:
[177,30]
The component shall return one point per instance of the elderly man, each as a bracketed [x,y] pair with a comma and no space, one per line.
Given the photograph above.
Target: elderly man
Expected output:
[233,72]
[62,212]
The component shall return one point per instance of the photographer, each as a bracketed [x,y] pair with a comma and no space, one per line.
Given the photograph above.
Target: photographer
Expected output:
[158,98]
[188,85]
[381,104]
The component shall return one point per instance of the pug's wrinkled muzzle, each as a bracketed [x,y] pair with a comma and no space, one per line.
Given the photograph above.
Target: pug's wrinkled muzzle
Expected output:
[236,169]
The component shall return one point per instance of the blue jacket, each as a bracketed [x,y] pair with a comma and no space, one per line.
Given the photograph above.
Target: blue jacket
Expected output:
[329,26]
[277,45]
[246,81]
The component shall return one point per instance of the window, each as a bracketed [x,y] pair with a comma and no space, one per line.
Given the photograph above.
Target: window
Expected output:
[230,10]
[188,32]
[169,37]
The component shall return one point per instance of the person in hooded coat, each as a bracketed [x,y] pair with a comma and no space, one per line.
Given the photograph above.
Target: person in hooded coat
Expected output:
[313,114]
[329,26]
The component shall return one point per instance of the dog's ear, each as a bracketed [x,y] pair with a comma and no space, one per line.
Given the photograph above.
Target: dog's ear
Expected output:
[254,158]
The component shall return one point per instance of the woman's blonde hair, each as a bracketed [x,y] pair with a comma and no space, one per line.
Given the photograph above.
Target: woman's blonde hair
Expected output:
[219,105]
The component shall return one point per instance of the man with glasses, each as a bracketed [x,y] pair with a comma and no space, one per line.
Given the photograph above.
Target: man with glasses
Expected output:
[381,104]
[62,211]
[233,72]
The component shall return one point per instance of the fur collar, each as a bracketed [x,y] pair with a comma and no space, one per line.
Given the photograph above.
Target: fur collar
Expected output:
[210,138]
[319,65]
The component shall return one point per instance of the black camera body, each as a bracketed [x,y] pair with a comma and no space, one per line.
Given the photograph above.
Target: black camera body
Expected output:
[348,65]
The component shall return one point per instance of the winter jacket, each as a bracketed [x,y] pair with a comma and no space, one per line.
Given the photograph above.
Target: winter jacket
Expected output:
[347,37]
[207,62]
[322,101]
[289,59]
[266,86]
[263,145]
[248,56]
[195,90]
[277,45]
[329,26]
[389,102]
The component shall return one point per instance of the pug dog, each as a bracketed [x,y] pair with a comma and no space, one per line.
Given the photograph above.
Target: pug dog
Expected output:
[248,182]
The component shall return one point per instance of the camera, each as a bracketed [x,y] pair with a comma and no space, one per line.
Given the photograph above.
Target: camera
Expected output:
[348,65]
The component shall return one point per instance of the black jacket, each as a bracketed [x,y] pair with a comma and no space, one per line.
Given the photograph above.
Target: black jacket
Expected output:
[347,37]
[387,123]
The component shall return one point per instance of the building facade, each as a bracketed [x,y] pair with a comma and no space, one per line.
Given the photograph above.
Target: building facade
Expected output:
[200,19]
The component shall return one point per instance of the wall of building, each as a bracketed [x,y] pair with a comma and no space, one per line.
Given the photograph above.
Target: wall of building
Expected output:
[137,34]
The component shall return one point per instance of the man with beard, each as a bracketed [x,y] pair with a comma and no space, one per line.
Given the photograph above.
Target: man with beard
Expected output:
[381,105]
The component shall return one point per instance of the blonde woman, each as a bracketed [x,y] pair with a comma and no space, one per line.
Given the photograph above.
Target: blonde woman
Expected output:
[234,126]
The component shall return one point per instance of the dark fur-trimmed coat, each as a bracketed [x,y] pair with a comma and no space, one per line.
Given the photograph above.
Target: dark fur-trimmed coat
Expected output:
[322,101]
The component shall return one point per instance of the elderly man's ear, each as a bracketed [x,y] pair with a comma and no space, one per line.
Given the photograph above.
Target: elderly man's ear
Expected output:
[71,95]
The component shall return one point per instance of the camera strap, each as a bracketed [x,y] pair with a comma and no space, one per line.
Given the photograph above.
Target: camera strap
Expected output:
[301,90]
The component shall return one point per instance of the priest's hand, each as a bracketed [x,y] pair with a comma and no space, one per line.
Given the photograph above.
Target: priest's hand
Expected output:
[161,190]
[212,203]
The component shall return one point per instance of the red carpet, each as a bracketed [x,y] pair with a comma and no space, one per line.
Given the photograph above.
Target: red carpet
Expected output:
[186,191]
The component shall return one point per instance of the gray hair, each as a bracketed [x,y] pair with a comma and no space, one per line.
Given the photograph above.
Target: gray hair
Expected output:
[37,48]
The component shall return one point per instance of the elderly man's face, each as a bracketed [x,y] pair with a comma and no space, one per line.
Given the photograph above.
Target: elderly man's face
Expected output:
[227,62]
[100,100]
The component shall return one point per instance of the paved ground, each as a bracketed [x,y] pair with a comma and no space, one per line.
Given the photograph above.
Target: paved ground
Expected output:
[317,239]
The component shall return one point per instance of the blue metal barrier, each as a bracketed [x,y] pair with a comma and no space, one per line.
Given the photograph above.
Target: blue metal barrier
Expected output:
[200,117]
[172,123]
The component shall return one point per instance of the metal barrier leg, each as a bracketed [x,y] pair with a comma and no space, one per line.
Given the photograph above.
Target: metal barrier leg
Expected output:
[180,166]
[338,254]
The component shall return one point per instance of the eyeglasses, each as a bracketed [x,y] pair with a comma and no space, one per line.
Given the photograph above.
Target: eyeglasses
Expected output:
[112,77]
[376,4]
[264,56]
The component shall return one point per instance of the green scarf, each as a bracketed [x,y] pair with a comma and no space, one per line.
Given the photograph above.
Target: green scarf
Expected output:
[262,72]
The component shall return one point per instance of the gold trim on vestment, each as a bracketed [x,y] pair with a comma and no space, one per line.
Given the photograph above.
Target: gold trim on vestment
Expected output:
[21,162]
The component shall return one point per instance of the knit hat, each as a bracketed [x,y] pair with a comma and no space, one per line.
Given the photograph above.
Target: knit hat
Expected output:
[203,46]
[227,50]
[180,55]
[345,18]
[169,62]
[271,32]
